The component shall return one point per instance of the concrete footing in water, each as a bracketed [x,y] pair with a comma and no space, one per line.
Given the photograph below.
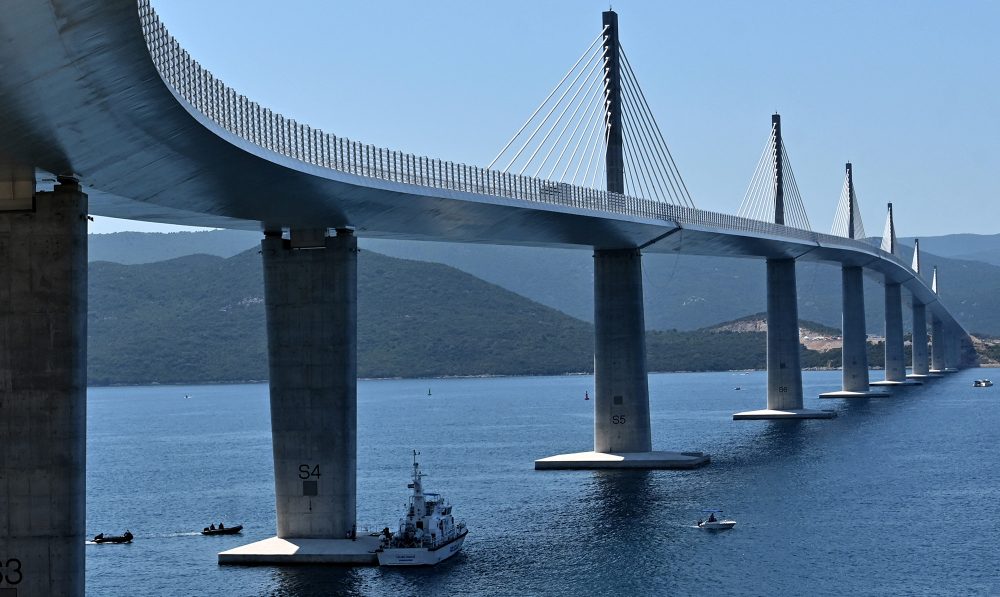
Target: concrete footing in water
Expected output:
[923,376]
[850,394]
[281,551]
[623,460]
[797,413]
[887,383]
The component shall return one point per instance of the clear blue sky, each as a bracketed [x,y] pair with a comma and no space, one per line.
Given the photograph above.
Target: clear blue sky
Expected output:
[906,90]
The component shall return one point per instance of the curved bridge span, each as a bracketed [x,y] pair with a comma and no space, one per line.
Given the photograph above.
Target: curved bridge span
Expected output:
[97,95]
[159,138]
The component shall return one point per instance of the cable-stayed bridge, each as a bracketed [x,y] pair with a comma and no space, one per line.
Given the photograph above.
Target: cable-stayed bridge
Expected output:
[99,99]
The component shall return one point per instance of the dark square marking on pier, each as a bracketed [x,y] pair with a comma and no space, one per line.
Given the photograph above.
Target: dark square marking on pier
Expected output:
[618,400]
[8,592]
[310,488]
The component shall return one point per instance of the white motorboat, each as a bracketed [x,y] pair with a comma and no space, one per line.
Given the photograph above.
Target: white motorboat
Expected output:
[715,521]
[427,534]
[982,383]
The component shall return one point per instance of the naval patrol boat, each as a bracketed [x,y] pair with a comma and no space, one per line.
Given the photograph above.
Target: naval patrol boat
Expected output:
[427,533]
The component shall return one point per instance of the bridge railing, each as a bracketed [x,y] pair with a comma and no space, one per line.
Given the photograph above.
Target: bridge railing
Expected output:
[265,128]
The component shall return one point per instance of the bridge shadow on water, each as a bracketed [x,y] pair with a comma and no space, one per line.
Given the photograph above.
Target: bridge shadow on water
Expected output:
[308,581]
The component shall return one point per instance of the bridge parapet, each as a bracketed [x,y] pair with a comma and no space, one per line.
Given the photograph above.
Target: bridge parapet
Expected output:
[237,115]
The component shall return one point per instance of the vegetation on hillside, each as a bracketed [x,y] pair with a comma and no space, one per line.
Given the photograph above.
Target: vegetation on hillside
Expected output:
[201,318]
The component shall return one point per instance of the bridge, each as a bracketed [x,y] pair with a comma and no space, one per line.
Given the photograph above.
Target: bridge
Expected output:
[105,113]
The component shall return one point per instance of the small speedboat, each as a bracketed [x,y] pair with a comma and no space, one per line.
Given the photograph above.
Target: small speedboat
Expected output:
[222,530]
[982,383]
[715,521]
[102,538]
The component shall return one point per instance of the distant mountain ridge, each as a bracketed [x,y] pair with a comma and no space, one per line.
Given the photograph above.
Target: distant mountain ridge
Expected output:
[129,248]
[683,292]
[966,247]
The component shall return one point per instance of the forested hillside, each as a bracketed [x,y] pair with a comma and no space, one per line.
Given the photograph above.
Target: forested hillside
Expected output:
[201,319]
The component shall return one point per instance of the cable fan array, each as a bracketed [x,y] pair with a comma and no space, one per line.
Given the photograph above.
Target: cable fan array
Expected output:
[566,137]
[759,200]
[842,219]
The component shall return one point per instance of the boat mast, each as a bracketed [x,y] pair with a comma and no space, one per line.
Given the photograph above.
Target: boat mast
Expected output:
[416,474]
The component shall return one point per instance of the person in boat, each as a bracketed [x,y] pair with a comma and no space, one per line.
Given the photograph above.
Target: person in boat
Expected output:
[99,537]
[711,517]
[221,526]
[212,527]
[128,535]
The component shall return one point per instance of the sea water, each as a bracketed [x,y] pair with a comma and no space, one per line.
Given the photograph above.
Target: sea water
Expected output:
[895,496]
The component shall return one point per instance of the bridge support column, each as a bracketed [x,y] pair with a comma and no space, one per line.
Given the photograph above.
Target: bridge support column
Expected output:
[921,367]
[621,393]
[895,368]
[854,364]
[952,349]
[784,370]
[310,291]
[937,345]
[43,392]
[966,351]
[622,435]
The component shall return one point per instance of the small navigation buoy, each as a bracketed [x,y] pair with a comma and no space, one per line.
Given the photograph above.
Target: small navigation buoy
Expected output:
[428,391]
[586,396]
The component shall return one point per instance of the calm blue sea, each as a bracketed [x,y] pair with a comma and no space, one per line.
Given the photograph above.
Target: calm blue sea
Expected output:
[895,496]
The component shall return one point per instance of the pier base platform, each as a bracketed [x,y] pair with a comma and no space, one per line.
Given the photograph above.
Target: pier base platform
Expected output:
[278,551]
[797,413]
[849,394]
[623,460]
[892,384]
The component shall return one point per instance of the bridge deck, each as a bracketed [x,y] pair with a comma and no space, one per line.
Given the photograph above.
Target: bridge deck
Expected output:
[98,88]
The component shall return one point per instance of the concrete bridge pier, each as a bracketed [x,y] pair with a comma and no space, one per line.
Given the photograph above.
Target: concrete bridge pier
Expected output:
[622,434]
[43,388]
[310,291]
[967,356]
[952,349]
[855,347]
[784,370]
[937,345]
[895,368]
[921,366]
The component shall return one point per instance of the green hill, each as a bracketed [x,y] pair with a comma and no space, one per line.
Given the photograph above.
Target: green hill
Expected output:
[683,292]
[201,319]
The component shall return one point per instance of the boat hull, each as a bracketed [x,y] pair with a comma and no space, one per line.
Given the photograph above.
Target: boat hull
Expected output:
[722,525]
[419,556]
[112,540]
[227,531]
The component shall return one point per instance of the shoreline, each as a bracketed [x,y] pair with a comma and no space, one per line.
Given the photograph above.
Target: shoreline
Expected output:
[479,376]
